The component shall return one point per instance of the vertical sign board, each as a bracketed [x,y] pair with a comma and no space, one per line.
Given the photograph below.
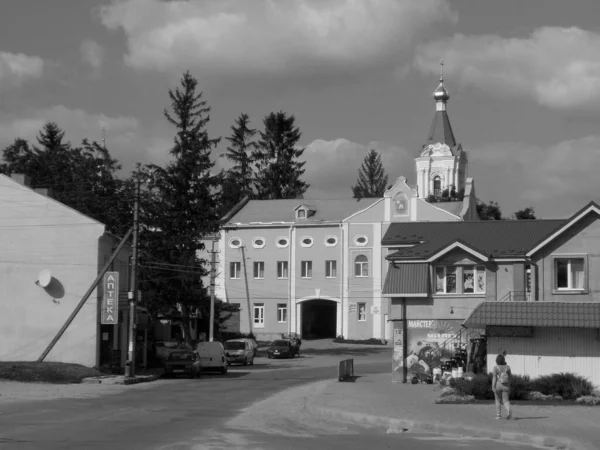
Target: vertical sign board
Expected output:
[397,358]
[110,299]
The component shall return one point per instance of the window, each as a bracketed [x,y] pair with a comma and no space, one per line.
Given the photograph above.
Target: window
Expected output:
[437,186]
[306,241]
[234,270]
[445,278]
[361,266]
[361,241]
[306,269]
[282,269]
[331,241]
[569,273]
[282,242]
[330,269]
[301,213]
[259,315]
[362,312]
[258,242]
[235,242]
[281,313]
[259,270]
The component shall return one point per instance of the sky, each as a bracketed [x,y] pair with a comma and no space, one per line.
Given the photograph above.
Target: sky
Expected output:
[523,78]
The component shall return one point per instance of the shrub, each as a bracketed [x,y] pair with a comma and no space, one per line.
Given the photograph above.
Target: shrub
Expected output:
[589,400]
[448,391]
[479,386]
[520,387]
[454,399]
[370,341]
[568,385]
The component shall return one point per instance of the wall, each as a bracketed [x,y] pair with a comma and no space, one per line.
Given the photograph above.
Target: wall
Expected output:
[582,238]
[551,350]
[40,233]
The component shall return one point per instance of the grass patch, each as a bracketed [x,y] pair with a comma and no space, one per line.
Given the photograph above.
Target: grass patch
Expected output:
[455,399]
[371,341]
[45,372]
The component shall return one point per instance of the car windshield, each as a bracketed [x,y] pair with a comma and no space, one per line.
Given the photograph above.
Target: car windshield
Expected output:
[280,343]
[180,356]
[234,346]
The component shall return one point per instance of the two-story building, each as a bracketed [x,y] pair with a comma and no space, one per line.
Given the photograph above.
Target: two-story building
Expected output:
[316,267]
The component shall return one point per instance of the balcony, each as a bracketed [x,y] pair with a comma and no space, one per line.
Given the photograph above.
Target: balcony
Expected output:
[517,296]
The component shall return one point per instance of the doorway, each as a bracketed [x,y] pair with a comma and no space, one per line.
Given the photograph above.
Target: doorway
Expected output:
[318,319]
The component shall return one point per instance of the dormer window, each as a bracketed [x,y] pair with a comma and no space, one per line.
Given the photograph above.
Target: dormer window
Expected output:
[301,213]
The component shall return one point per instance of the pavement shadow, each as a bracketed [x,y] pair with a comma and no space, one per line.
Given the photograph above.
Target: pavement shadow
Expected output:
[351,379]
[344,351]
[530,418]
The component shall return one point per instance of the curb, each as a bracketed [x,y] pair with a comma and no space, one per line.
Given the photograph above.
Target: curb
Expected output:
[120,379]
[396,425]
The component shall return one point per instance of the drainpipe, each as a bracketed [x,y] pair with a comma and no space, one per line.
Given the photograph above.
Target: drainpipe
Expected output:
[290,275]
[342,266]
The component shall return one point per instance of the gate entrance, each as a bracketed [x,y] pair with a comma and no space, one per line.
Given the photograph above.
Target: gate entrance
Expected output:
[318,319]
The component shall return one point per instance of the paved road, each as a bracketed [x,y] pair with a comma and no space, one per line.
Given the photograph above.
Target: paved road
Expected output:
[212,413]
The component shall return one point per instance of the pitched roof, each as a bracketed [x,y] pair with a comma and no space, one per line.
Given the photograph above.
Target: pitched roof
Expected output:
[278,211]
[409,280]
[535,314]
[495,239]
[441,130]
[451,207]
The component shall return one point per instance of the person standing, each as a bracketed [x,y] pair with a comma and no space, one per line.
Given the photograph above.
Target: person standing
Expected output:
[501,386]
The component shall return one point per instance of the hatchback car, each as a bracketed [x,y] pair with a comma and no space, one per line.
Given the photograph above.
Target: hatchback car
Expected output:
[282,348]
[183,362]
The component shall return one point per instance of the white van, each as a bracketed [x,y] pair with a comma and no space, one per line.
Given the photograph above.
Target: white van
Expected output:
[212,357]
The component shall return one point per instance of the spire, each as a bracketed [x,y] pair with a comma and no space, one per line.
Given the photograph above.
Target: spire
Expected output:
[441,95]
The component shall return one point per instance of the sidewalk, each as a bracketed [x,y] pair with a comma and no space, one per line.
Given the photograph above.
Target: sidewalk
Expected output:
[373,400]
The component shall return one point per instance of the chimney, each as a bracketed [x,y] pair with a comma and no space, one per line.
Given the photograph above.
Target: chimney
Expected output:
[47,192]
[21,178]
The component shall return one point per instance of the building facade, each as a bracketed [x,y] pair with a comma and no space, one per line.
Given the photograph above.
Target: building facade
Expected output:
[316,267]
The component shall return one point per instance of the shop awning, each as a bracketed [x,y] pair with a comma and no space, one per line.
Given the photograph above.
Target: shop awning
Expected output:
[407,280]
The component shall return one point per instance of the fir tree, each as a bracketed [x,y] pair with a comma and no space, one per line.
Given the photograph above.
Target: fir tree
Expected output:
[372,179]
[278,170]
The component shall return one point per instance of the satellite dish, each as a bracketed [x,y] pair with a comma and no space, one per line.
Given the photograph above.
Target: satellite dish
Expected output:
[44,278]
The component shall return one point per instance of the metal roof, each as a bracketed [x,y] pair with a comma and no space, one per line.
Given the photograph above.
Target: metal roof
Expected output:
[535,314]
[282,211]
[407,280]
[441,130]
[495,239]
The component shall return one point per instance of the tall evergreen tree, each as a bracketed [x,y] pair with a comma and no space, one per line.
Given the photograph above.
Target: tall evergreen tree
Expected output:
[372,178]
[238,180]
[182,209]
[278,170]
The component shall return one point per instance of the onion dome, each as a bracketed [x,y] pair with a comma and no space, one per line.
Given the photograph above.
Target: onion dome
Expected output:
[441,94]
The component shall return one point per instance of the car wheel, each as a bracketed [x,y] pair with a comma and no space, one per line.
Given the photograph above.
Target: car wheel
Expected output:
[224,370]
[269,356]
[252,361]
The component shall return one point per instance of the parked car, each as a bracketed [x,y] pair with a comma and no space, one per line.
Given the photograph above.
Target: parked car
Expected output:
[212,356]
[282,348]
[183,362]
[239,351]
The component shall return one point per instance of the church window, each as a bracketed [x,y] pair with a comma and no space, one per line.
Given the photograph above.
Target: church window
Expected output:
[437,186]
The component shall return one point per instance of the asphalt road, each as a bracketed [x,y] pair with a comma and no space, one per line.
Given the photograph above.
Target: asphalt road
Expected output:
[197,414]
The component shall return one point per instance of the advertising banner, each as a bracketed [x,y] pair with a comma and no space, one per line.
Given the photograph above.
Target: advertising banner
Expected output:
[109,310]
[397,358]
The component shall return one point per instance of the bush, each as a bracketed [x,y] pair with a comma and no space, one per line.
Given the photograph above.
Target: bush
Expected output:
[371,341]
[479,386]
[568,385]
[589,400]
[520,387]
[454,399]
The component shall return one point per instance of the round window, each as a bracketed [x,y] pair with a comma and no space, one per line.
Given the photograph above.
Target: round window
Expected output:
[235,242]
[361,240]
[306,241]
[258,242]
[282,242]
[330,241]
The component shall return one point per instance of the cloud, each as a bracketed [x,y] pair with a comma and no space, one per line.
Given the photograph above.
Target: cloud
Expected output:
[127,139]
[271,37]
[558,67]
[556,180]
[92,53]
[18,67]
[332,166]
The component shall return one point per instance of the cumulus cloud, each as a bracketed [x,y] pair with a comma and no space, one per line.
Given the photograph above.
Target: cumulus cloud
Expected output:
[127,139]
[271,37]
[558,67]
[92,53]
[556,180]
[18,67]
[332,166]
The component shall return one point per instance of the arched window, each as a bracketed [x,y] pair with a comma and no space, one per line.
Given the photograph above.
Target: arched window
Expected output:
[437,186]
[361,266]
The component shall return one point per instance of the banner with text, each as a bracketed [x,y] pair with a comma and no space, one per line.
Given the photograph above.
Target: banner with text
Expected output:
[110,299]
[424,346]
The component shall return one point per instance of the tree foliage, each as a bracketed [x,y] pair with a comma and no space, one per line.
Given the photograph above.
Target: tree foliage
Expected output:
[180,208]
[489,211]
[278,169]
[525,214]
[372,178]
[82,177]
[239,179]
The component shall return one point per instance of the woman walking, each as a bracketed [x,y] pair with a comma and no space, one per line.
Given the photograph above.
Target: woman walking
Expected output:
[501,386]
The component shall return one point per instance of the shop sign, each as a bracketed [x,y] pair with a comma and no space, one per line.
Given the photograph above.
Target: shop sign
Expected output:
[110,299]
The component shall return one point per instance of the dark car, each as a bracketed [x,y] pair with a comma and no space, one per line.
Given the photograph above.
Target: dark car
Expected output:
[282,348]
[183,362]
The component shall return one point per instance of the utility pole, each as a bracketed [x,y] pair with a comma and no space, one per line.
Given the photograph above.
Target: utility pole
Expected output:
[211,329]
[130,368]
[247,290]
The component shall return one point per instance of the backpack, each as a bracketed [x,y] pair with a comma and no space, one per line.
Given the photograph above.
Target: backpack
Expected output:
[504,378]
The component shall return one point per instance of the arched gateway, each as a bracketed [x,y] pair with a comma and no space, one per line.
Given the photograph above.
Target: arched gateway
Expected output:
[318,317]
